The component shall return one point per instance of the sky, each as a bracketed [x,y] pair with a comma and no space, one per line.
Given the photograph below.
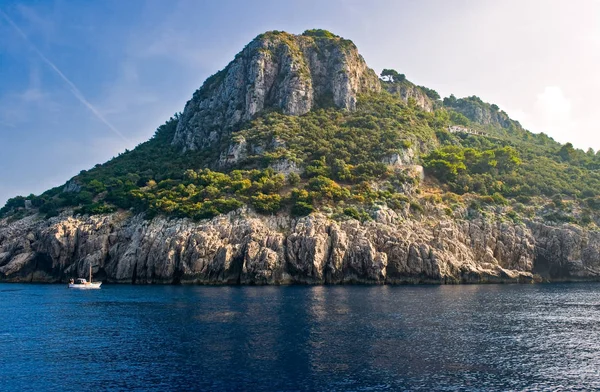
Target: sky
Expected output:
[82,81]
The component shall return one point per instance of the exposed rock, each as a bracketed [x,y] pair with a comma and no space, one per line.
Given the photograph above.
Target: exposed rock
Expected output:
[285,166]
[236,152]
[244,248]
[401,158]
[480,112]
[406,90]
[72,186]
[566,252]
[291,73]
[416,171]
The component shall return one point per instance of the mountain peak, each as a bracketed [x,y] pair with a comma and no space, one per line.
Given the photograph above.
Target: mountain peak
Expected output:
[277,70]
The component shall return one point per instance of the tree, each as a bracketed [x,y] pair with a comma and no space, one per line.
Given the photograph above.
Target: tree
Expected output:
[567,152]
[293,179]
[458,118]
[390,75]
[444,170]
[450,101]
[431,93]
[340,170]
[266,204]
[96,186]
[507,159]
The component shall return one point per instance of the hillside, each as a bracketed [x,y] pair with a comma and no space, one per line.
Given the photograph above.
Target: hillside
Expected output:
[297,164]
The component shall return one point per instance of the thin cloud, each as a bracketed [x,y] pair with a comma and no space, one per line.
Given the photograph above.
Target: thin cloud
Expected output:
[7,124]
[74,90]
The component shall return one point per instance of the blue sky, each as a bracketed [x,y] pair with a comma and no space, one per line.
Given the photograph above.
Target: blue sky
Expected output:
[82,81]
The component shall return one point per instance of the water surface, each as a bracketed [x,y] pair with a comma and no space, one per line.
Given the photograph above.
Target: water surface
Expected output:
[363,338]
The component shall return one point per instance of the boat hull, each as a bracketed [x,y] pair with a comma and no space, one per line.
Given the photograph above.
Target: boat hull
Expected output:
[87,286]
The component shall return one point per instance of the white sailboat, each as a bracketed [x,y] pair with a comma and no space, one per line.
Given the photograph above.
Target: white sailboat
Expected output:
[81,283]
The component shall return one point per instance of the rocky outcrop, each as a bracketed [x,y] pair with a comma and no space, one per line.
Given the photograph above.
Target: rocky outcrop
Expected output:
[480,112]
[407,90]
[72,186]
[567,252]
[277,70]
[244,248]
[236,152]
[400,158]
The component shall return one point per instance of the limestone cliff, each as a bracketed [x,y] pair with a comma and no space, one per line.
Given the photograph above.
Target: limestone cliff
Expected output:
[480,112]
[277,70]
[407,90]
[244,248]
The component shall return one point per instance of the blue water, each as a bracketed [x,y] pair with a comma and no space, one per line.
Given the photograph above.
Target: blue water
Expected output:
[363,338]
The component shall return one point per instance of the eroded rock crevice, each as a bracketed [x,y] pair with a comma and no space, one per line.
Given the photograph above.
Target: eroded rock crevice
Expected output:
[245,248]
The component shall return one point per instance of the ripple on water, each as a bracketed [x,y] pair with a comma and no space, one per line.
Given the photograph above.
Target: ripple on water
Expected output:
[449,338]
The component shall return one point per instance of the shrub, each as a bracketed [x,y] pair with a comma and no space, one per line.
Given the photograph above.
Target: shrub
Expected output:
[266,204]
[354,213]
[416,207]
[300,208]
[524,199]
[96,208]
[293,179]
[224,206]
[499,199]
[326,188]
[593,203]
[433,199]
[487,199]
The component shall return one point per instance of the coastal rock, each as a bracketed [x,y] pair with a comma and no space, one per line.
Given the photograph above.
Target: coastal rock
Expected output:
[245,248]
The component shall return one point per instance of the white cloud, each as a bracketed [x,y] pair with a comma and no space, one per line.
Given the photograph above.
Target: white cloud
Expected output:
[550,112]
[554,110]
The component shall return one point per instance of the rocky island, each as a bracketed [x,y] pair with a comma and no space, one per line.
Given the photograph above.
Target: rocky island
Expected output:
[297,164]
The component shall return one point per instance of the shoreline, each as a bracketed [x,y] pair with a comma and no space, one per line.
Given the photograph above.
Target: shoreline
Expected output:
[300,284]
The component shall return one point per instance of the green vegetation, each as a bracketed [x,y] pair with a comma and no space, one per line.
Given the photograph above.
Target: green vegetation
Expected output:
[432,94]
[473,170]
[319,33]
[341,159]
[340,155]
[390,75]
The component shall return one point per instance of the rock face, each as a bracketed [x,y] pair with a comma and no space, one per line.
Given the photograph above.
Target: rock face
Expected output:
[406,90]
[291,73]
[244,248]
[480,112]
[400,158]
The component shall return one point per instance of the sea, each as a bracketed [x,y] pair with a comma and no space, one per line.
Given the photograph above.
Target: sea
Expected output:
[543,337]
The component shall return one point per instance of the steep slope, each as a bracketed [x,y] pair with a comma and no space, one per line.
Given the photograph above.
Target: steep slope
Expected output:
[407,90]
[246,248]
[297,164]
[277,70]
[480,112]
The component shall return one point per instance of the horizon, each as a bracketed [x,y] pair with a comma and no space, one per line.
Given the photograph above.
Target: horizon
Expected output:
[94,96]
